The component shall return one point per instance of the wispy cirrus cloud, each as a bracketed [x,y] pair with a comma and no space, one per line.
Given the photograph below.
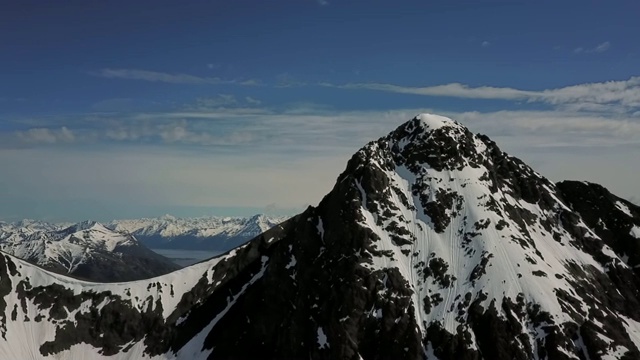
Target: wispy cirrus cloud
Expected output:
[447,90]
[285,80]
[46,135]
[252,101]
[224,103]
[302,127]
[176,78]
[602,47]
[621,95]
[219,100]
[554,128]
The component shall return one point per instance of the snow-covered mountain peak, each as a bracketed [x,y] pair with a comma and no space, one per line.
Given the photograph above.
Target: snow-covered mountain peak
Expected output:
[86,225]
[431,145]
[461,222]
[262,221]
[433,122]
[429,142]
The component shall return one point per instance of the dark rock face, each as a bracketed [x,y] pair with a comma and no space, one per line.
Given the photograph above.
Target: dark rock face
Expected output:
[192,242]
[610,217]
[329,290]
[118,267]
[125,264]
[432,243]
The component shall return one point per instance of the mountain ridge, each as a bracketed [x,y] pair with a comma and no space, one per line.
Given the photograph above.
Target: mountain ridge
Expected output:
[219,233]
[209,233]
[85,250]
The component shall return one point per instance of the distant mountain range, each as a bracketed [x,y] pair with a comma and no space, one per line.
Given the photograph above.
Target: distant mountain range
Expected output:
[87,250]
[202,233]
[119,250]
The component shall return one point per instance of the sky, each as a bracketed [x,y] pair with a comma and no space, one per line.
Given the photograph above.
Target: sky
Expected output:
[124,109]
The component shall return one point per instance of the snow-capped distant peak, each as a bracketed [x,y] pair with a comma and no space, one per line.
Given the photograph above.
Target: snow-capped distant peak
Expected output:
[167,217]
[212,232]
[86,225]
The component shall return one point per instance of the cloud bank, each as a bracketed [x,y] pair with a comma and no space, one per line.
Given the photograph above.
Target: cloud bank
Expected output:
[623,95]
[231,150]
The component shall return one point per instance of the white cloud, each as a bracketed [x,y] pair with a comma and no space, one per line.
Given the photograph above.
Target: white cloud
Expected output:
[225,103]
[182,132]
[602,47]
[226,150]
[544,129]
[121,134]
[313,128]
[485,44]
[623,95]
[293,158]
[46,136]
[154,76]
[220,100]
[252,101]
[450,90]
[287,80]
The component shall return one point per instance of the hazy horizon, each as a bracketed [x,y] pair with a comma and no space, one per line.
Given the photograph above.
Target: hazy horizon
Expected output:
[178,212]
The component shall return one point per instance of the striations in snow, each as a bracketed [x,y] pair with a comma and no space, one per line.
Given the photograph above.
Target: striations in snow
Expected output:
[432,244]
[86,250]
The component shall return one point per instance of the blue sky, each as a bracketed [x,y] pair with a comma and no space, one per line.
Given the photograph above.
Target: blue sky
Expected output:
[136,108]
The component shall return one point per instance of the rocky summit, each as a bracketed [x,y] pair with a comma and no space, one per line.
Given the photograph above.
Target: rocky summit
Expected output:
[433,244]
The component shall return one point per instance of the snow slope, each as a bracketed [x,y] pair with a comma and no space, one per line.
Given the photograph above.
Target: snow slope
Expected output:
[522,259]
[23,330]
